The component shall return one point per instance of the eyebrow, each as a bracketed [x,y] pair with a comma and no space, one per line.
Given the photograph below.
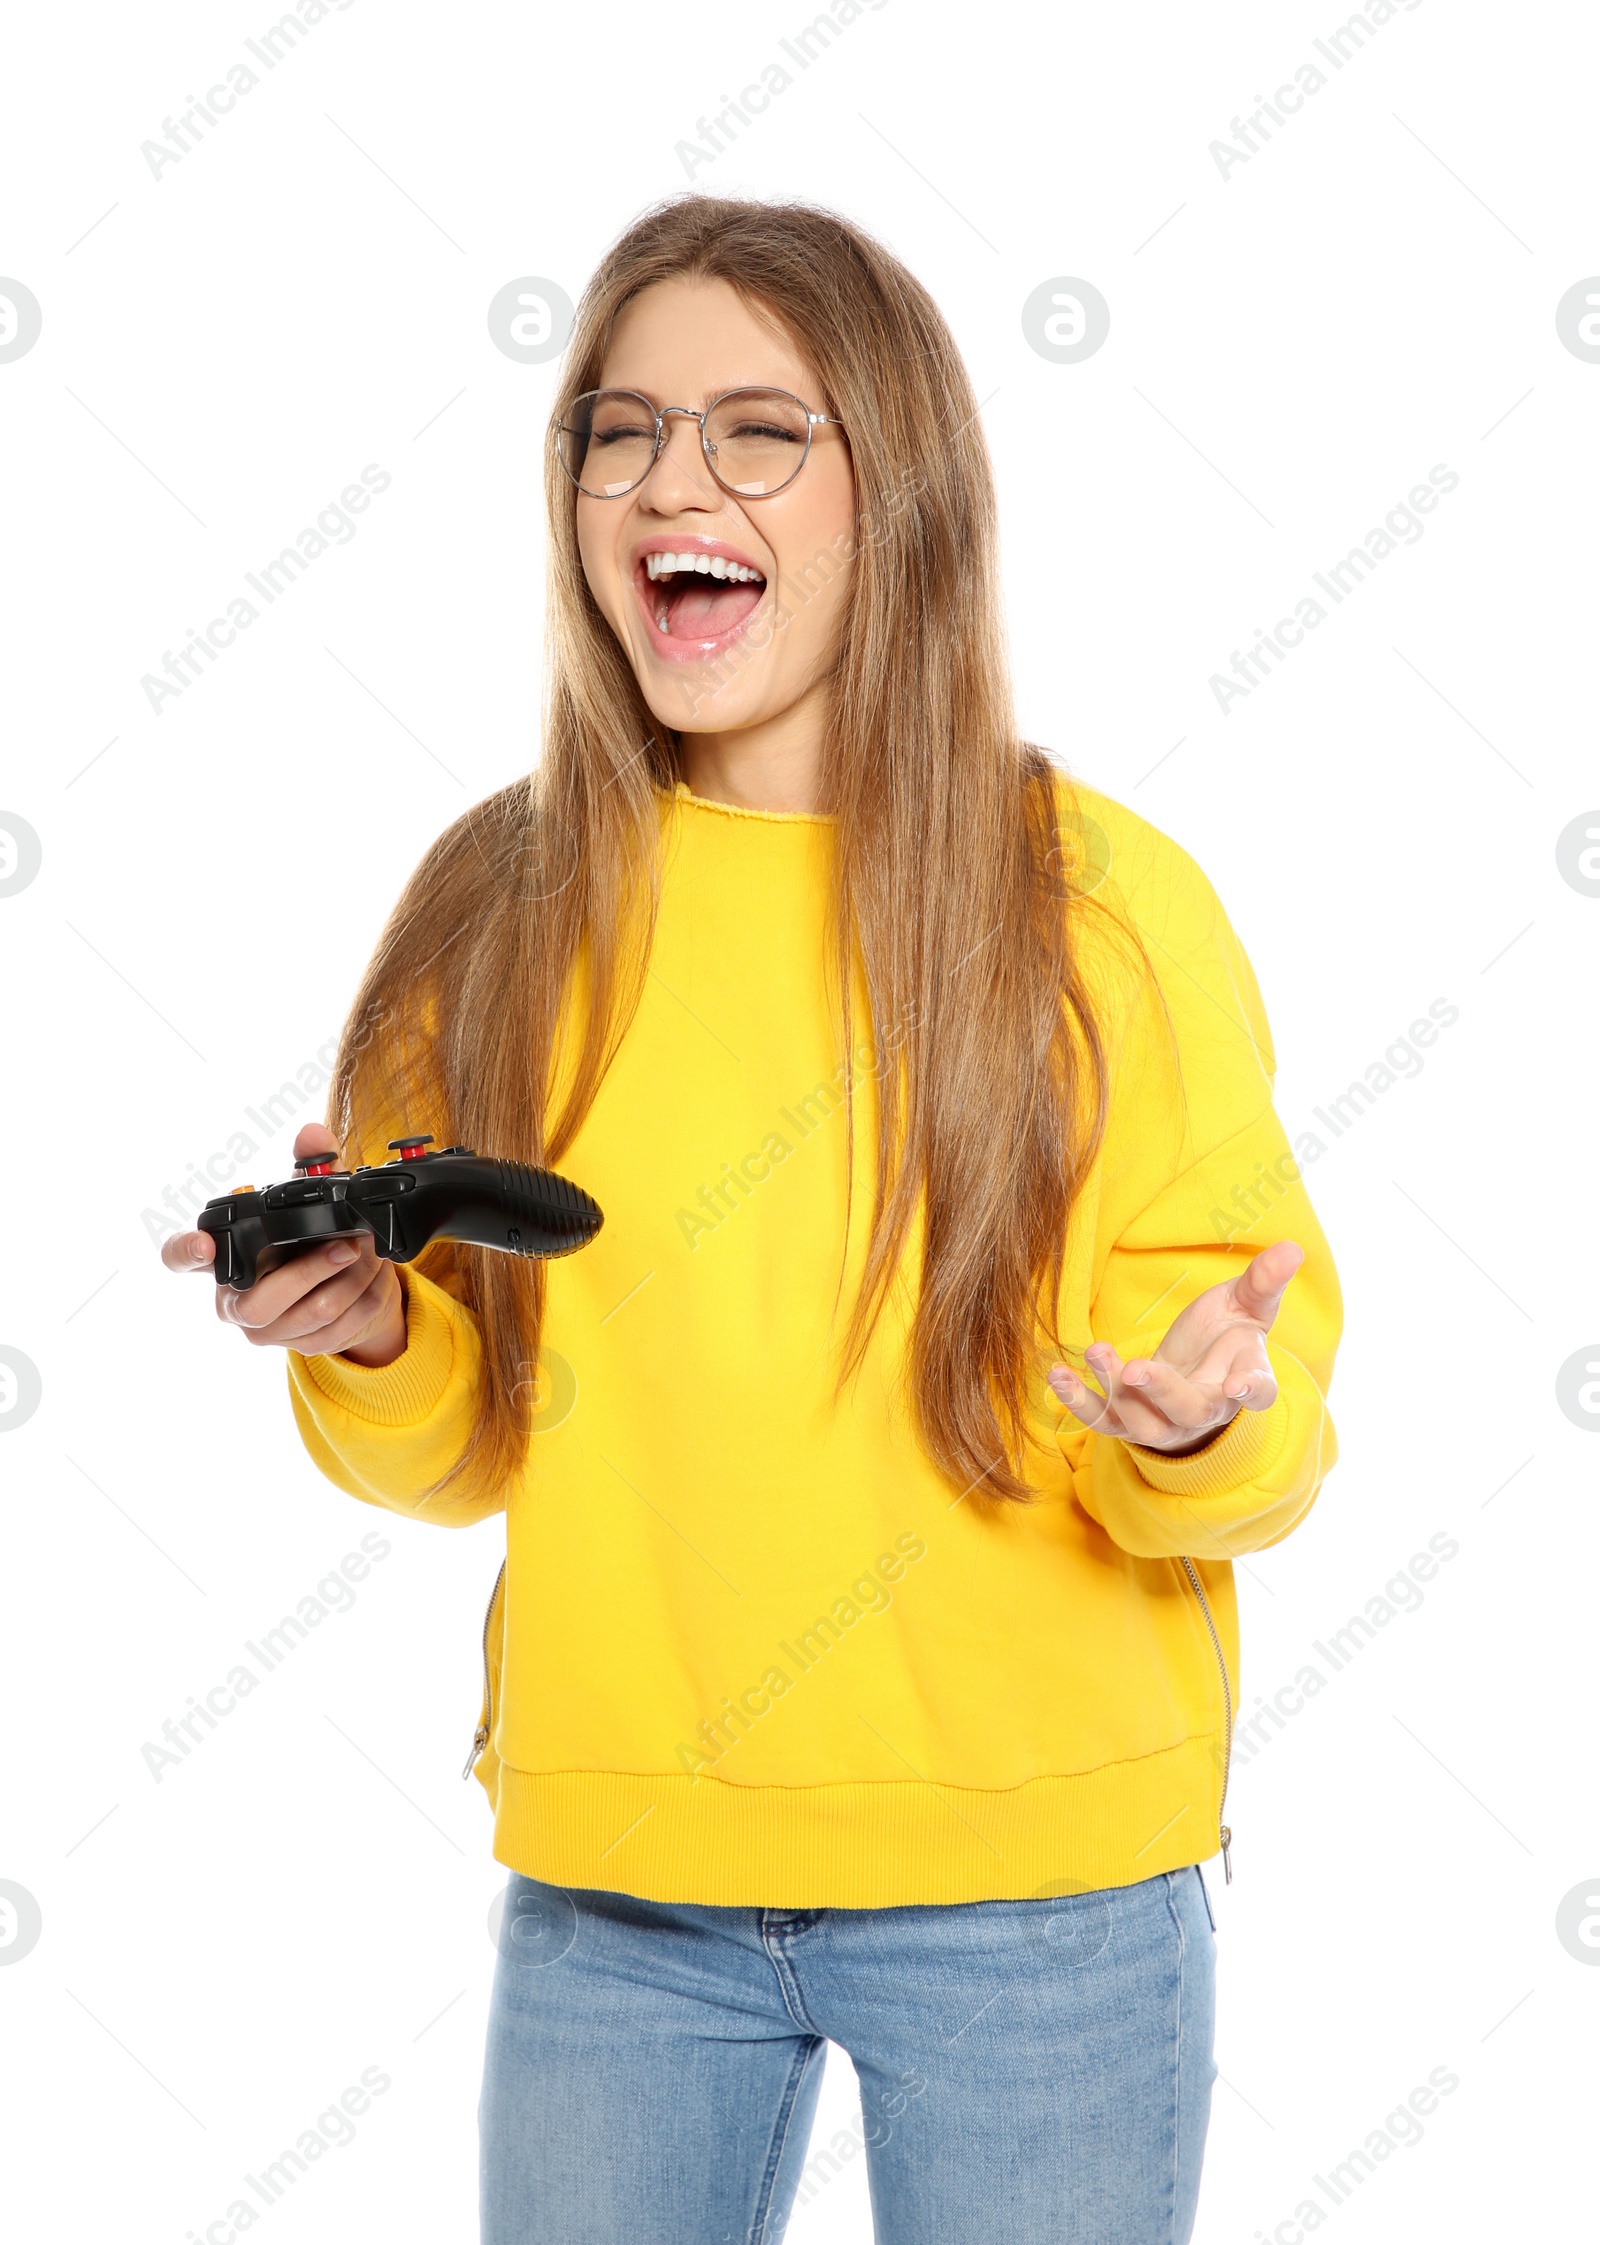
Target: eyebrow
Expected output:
[720,390]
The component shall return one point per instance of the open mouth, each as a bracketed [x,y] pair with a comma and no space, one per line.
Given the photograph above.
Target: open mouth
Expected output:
[695,601]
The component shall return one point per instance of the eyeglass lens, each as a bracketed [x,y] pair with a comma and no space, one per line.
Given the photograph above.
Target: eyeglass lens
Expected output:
[755,441]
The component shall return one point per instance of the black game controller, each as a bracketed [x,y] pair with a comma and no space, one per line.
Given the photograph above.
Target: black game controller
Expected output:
[454,1194]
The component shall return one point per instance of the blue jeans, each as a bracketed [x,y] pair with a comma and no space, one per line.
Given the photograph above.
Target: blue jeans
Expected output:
[1029,2071]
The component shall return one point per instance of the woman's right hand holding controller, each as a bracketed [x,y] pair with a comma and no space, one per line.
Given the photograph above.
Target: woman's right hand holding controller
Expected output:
[339,1300]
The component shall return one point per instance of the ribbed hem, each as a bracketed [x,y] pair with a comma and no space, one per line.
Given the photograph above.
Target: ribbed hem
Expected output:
[1244,1451]
[866,1846]
[405,1392]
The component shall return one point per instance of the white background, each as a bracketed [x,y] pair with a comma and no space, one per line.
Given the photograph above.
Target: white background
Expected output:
[1292,348]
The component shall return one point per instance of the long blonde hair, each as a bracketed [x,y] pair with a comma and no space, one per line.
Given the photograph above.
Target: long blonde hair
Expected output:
[949,894]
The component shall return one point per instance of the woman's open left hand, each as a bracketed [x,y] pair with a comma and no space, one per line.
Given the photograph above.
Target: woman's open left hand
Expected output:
[1211,1365]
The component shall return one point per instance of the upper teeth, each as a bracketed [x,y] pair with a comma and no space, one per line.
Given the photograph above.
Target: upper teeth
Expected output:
[703,564]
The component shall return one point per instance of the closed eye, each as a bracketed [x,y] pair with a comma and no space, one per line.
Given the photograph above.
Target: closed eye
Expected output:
[763,431]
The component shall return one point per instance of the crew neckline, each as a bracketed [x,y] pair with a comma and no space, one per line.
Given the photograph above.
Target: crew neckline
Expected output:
[683,793]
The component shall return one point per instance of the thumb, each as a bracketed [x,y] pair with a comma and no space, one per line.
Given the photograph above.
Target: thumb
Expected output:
[314,1138]
[1259,1288]
[189,1251]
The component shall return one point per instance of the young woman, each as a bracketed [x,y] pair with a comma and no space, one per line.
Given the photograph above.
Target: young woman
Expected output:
[864,1662]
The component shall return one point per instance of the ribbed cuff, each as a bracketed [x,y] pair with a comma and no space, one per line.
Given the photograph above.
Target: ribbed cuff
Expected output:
[1241,1453]
[407,1391]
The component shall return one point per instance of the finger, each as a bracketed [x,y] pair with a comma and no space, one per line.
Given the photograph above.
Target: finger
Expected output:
[1195,1408]
[1156,1405]
[1236,1365]
[1249,1380]
[1198,1406]
[1188,1406]
[1104,1362]
[345,1330]
[1258,1289]
[1133,1411]
[189,1251]
[271,1297]
[1184,1413]
[1088,1408]
[1099,1412]
[314,1138]
[323,1306]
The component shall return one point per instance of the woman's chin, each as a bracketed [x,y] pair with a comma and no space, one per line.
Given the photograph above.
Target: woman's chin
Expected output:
[697,694]
[685,700]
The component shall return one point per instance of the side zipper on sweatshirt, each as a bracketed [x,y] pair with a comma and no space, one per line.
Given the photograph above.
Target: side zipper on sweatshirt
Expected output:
[1223,1832]
[480,1737]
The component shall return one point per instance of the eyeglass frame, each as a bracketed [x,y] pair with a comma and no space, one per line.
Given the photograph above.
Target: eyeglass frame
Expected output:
[814,421]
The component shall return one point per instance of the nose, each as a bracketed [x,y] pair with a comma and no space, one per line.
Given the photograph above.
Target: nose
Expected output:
[679,477]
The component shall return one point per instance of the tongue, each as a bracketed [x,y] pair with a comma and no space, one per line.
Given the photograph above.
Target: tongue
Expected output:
[706,606]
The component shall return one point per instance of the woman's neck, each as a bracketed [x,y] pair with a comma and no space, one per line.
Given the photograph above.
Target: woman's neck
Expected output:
[772,766]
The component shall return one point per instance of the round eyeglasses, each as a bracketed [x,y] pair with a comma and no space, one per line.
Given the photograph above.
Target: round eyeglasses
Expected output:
[755,441]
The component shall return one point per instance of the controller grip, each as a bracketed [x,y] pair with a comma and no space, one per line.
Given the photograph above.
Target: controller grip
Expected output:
[252,1237]
[234,1256]
[553,1215]
[478,1202]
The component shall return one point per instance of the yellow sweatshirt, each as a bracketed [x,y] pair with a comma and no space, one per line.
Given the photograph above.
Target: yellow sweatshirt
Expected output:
[748,1646]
